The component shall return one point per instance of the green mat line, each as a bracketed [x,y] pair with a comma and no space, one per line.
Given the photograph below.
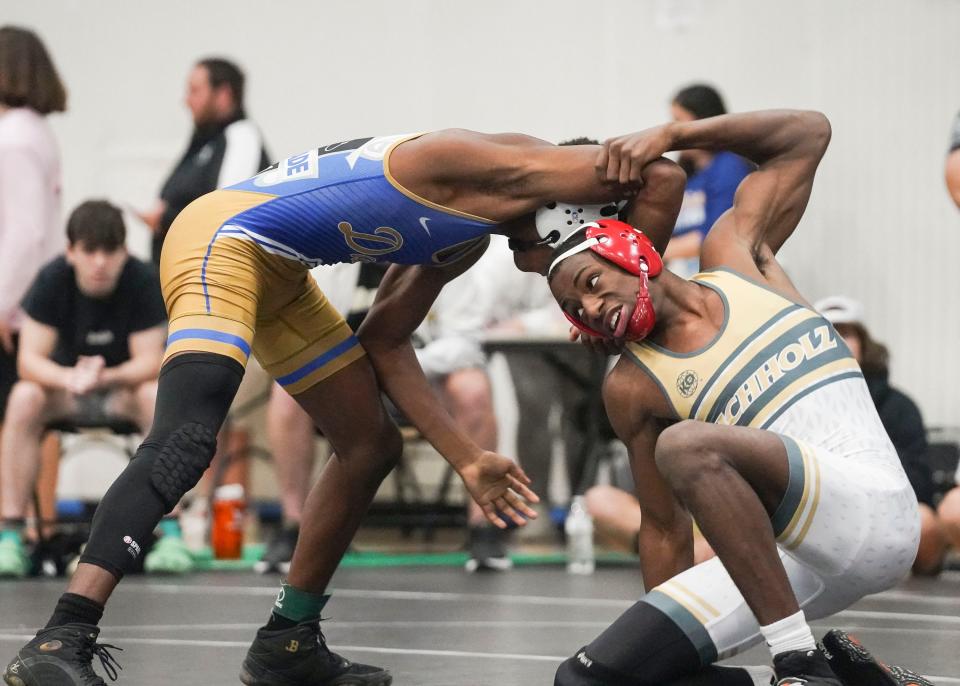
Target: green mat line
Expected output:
[251,553]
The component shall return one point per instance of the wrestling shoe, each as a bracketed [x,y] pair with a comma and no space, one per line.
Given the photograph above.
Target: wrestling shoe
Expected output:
[299,657]
[488,551]
[279,552]
[857,667]
[14,563]
[810,667]
[62,656]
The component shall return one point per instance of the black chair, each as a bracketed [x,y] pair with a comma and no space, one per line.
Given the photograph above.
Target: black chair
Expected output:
[54,550]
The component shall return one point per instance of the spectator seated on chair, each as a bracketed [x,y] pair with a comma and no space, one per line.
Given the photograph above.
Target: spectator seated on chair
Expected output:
[90,351]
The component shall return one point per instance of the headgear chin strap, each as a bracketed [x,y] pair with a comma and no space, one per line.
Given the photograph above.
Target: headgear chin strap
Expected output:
[631,250]
[557,220]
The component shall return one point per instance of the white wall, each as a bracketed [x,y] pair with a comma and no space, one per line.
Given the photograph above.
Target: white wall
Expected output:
[880,226]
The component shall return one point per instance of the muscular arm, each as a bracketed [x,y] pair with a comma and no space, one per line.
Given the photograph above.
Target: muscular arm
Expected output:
[666,530]
[786,144]
[500,176]
[37,342]
[403,300]
[655,208]
[496,483]
[146,353]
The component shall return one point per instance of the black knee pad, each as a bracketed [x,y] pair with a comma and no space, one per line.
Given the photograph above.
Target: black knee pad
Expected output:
[194,394]
[583,670]
[182,461]
[643,647]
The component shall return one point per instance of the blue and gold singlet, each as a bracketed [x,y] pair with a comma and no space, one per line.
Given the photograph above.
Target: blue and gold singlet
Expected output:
[234,264]
[339,203]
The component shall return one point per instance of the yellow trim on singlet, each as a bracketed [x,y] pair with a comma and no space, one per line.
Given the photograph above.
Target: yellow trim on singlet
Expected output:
[710,609]
[754,345]
[766,341]
[677,597]
[803,517]
[812,468]
[798,513]
[419,199]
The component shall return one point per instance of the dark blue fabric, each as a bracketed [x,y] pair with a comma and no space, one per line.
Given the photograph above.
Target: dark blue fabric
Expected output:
[710,193]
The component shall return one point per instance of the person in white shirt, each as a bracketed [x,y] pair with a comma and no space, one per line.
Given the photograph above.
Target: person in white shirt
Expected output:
[30,230]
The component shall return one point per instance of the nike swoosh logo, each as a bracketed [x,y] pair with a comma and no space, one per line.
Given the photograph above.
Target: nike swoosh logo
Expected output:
[423,223]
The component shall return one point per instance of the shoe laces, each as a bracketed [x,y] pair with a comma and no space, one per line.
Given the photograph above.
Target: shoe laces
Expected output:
[321,639]
[89,648]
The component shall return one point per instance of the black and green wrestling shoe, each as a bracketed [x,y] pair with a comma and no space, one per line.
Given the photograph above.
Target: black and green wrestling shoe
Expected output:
[62,656]
[803,667]
[857,667]
[300,657]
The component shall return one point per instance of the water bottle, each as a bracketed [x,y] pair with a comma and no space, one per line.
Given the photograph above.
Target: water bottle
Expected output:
[195,524]
[226,536]
[579,530]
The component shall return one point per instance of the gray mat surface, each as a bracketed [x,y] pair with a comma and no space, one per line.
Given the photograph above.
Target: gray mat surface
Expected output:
[440,626]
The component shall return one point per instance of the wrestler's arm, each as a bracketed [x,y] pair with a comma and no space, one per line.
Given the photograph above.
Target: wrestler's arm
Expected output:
[503,176]
[656,205]
[666,530]
[786,144]
[500,176]
[769,202]
[403,300]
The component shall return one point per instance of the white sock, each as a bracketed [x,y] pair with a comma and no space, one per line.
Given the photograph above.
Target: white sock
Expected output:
[760,676]
[790,633]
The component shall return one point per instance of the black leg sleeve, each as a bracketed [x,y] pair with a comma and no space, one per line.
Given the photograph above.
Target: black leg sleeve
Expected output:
[643,647]
[195,392]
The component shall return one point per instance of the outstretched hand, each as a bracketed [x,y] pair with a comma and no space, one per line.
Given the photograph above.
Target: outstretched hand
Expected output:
[622,159]
[499,486]
[607,346]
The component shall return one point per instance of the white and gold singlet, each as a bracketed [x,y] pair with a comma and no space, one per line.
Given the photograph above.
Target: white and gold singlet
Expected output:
[848,524]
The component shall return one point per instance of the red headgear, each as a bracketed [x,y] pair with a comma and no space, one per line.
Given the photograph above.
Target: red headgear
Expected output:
[629,249]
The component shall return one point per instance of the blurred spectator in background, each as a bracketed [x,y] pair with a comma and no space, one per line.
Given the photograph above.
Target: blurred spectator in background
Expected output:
[225,148]
[950,505]
[902,420]
[952,172]
[90,348]
[450,354]
[519,305]
[30,229]
[712,180]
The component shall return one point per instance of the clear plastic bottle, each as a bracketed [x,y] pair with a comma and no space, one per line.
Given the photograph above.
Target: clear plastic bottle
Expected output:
[579,530]
[195,524]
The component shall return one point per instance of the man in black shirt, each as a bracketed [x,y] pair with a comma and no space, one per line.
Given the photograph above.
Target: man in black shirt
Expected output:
[225,147]
[90,349]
